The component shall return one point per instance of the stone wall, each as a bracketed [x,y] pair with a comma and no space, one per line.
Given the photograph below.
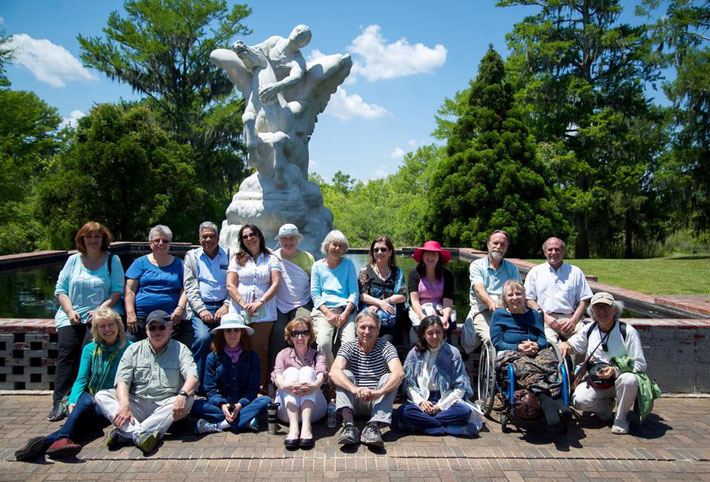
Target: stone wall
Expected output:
[677,352]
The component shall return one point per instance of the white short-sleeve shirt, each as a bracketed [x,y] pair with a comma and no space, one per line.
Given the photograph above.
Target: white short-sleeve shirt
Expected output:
[254,281]
[557,290]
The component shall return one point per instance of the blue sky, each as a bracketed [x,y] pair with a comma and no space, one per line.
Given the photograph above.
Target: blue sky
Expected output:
[383,110]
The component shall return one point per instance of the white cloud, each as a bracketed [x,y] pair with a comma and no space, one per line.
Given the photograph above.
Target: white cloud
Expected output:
[50,63]
[72,120]
[414,143]
[312,164]
[379,174]
[376,59]
[397,153]
[345,107]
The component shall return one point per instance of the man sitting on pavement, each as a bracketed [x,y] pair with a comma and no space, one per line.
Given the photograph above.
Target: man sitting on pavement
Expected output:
[366,373]
[605,339]
[559,290]
[205,285]
[154,386]
[487,275]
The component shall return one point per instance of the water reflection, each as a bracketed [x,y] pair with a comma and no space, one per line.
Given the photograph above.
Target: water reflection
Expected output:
[29,293]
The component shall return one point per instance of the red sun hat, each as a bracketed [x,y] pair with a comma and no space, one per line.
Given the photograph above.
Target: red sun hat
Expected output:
[444,255]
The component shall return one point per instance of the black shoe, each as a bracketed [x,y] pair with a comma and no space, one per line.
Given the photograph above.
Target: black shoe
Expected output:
[350,435]
[371,436]
[34,448]
[291,443]
[307,443]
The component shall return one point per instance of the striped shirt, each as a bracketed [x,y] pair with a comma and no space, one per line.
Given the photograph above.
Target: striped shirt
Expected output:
[368,368]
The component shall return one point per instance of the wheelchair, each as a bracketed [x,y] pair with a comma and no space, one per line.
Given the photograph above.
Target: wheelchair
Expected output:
[489,386]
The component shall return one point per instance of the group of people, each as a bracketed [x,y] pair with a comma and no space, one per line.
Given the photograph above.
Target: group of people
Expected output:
[206,337]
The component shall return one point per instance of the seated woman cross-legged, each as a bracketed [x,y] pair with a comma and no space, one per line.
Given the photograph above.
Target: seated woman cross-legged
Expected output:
[232,378]
[299,372]
[99,362]
[437,387]
[518,336]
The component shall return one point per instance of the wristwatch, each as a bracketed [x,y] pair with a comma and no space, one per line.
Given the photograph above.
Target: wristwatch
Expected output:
[262,300]
[183,393]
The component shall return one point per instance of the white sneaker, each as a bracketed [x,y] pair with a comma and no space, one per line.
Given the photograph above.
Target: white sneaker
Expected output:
[203,426]
[621,427]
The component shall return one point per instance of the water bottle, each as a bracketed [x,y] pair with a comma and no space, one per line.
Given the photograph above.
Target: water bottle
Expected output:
[332,421]
[272,418]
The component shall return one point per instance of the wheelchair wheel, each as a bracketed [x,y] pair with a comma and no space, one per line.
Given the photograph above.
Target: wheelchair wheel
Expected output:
[504,422]
[486,379]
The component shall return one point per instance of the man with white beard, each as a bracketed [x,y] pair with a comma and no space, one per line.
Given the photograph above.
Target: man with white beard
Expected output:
[488,275]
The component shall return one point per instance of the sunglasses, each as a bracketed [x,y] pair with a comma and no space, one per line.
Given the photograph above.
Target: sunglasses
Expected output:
[157,328]
[296,334]
[250,235]
[160,241]
[380,250]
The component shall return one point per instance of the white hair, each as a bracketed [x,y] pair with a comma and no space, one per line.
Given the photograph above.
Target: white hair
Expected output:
[334,236]
[207,225]
[619,308]
[160,228]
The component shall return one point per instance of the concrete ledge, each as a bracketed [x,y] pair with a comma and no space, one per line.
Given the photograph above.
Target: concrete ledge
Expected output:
[676,351]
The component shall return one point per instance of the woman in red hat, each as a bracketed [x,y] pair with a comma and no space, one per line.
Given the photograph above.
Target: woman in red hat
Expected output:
[431,288]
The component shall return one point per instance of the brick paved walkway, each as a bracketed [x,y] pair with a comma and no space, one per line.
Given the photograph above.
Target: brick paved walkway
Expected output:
[673,443]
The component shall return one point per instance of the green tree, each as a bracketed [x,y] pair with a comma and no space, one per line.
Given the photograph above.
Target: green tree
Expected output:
[408,202]
[122,169]
[6,54]
[681,41]
[581,76]
[28,140]
[490,177]
[161,48]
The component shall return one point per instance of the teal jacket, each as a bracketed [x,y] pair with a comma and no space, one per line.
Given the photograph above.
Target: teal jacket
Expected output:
[648,389]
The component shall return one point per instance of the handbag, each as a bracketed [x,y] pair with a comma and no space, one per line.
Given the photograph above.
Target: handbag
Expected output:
[526,404]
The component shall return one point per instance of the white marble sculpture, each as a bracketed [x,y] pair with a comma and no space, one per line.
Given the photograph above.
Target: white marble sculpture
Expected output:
[284,96]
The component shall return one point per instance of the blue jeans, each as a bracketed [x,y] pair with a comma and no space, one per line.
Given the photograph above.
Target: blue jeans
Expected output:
[415,417]
[202,341]
[212,413]
[85,414]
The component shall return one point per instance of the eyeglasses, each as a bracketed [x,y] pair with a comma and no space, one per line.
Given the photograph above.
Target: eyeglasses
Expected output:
[296,334]
[249,235]
[160,241]
[157,328]
[380,250]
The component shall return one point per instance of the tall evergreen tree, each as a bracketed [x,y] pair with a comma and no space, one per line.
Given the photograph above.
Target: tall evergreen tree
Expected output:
[581,76]
[161,48]
[681,41]
[490,177]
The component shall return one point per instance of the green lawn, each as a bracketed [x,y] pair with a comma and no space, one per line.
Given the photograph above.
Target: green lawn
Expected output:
[654,276]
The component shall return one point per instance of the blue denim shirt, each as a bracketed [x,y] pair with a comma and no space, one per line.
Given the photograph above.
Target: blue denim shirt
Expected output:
[227,382]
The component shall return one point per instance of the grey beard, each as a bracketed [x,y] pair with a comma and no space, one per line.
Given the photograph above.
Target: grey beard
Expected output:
[496,255]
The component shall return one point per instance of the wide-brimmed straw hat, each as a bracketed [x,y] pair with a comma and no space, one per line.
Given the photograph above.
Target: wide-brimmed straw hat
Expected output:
[444,255]
[233,320]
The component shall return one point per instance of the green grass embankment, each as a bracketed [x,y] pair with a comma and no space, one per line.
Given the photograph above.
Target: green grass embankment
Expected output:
[655,276]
